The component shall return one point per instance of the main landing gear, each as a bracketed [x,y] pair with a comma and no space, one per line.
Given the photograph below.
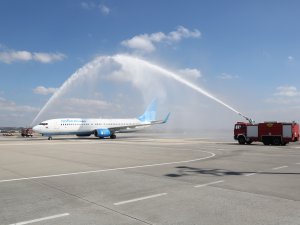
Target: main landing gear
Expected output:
[49,138]
[113,136]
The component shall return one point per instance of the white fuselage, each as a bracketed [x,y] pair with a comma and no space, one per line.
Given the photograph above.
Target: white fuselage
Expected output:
[79,126]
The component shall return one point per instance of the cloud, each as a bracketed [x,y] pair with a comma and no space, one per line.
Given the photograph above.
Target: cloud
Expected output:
[88,5]
[226,76]
[287,95]
[146,42]
[141,42]
[291,58]
[283,101]
[10,56]
[47,57]
[10,106]
[191,73]
[89,103]
[104,9]
[41,90]
[287,91]
[13,114]
[80,107]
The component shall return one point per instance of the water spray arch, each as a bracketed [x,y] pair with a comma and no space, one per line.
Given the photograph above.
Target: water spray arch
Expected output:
[118,65]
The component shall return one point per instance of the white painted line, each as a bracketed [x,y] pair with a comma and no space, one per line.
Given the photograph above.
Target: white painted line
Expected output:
[41,219]
[140,199]
[203,185]
[298,163]
[52,143]
[107,170]
[280,167]
[249,174]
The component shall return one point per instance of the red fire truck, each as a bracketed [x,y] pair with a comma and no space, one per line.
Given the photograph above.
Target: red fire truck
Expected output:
[269,133]
[27,132]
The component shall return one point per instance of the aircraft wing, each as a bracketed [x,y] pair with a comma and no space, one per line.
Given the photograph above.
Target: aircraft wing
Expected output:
[161,121]
[132,128]
[128,128]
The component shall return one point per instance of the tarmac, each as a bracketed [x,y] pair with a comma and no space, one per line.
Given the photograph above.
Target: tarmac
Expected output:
[147,179]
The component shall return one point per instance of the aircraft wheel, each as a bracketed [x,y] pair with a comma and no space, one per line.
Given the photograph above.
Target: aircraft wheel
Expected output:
[113,136]
[49,138]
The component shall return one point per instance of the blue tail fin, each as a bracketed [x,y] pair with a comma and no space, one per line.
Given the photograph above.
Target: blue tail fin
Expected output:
[150,113]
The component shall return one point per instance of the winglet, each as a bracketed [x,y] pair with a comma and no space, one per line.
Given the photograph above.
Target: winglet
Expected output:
[167,118]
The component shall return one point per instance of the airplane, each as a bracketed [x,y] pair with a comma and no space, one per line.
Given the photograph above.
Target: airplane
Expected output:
[100,128]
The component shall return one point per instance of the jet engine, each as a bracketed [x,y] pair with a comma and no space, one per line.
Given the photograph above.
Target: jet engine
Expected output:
[101,133]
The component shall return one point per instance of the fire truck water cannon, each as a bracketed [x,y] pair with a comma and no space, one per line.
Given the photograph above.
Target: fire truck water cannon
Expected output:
[251,121]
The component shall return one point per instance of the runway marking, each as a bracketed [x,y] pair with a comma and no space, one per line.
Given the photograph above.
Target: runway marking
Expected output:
[280,167]
[250,174]
[107,170]
[140,199]
[298,163]
[207,184]
[95,141]
[41,219]
[51,143]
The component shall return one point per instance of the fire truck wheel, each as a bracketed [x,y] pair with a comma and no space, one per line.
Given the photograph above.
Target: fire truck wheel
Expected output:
[276,141]
[242,140]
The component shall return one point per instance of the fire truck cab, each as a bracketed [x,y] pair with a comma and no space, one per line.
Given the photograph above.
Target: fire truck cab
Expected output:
[269,133]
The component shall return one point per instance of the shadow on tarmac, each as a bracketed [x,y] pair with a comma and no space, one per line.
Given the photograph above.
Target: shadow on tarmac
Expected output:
[190,171]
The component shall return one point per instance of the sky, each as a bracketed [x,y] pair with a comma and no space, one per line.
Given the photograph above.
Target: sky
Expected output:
[246,53]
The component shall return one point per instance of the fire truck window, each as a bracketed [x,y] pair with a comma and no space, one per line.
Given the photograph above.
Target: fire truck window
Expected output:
[238,127]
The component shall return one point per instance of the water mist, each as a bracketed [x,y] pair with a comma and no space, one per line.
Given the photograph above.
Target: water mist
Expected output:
[132,66]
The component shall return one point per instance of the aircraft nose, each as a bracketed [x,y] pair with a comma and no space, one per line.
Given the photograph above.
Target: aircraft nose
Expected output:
[36,128]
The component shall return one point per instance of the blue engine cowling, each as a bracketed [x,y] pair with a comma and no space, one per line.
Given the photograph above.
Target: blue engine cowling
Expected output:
[102,133]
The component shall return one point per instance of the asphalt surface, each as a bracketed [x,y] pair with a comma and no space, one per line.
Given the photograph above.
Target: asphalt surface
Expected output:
[147,180]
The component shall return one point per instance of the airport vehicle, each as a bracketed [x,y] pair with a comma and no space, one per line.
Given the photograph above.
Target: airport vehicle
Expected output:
[269,133]
[101,128]
[7,134]
[27,132]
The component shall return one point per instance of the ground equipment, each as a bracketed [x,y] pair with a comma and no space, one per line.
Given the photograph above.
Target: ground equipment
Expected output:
[27,132]
[269,133]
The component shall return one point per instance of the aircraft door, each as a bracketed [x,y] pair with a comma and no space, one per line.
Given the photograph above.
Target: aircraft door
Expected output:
[56,125]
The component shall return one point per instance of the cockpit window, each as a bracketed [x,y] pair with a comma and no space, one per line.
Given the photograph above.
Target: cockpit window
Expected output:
[43,124]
